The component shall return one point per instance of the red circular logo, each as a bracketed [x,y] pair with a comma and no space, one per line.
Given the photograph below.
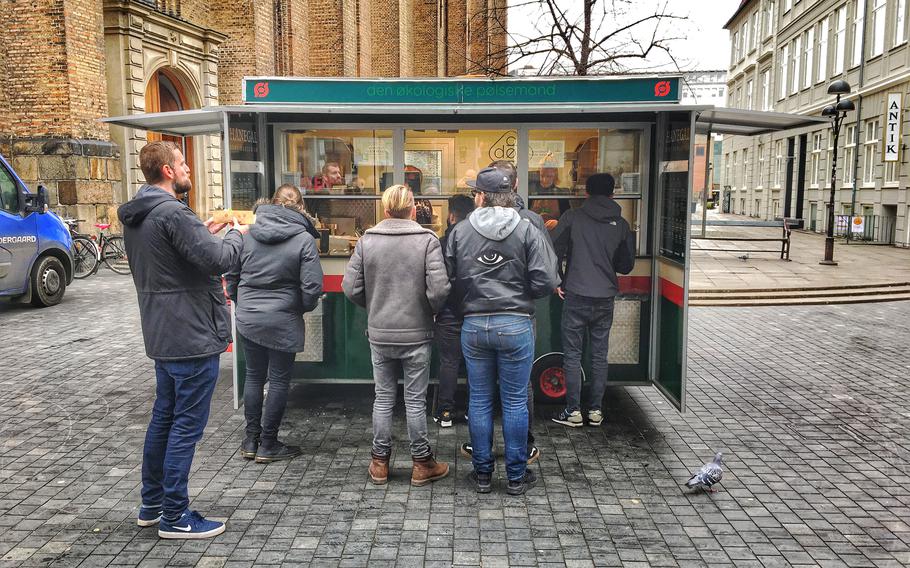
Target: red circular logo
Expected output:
[662,88]
[261,90]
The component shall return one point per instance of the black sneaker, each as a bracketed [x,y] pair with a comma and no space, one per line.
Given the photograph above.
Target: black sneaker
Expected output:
[249,447]
[443,418]
[278,452]
[467,450]
[571,419]
[533,454]
[483,481]
[520,486]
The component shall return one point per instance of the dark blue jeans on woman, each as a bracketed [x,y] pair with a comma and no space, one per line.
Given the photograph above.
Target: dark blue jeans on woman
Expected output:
[183,396]
[594,315]
[264,364]
[503,346]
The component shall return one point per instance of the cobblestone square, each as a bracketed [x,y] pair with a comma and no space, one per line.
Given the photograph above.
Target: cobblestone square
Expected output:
[809,404]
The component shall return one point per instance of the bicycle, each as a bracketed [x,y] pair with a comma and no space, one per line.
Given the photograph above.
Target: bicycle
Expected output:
[109,249]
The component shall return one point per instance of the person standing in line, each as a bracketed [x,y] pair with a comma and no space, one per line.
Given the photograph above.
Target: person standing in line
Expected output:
[278,279]
[448,326]
[176,263]
[499,264]
[596,243]
[508,167]
[398,274]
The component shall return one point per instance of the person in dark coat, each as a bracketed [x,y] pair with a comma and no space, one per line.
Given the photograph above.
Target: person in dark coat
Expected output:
[596,243]
[277,279]
[176,263]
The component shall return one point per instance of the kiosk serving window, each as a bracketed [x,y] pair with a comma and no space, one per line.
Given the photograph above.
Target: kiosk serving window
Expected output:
[560,161]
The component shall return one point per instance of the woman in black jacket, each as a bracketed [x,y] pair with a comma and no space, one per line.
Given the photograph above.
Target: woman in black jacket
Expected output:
[277,280]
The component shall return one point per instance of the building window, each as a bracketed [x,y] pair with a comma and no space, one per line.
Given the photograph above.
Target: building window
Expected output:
[734,56]
[840,39]
[796,53]
[869,148]
[749,94]
[822,51]
[746,172]
[785,6]
[727,171]
[857,33]
[891,173]
[744,37]
[769,18]
[761,166]
[766,89]
[900,23]
[815,168]
[826,167]
[784,68]
[778,162]
[735,168]
[878,27]
[849,154]
[810,58]
[756,17]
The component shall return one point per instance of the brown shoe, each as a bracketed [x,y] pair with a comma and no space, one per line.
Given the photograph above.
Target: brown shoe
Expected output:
[379,469]
[427,470]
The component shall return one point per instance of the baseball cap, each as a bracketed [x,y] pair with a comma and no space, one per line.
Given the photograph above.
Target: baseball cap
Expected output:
[491,180]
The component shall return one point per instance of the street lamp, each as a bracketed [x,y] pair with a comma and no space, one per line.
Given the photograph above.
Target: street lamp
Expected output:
[837,113]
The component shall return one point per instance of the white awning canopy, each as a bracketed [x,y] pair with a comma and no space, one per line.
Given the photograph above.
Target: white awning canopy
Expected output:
[210,120]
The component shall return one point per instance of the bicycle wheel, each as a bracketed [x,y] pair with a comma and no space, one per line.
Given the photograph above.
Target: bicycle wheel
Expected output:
[85,257]
[114,255]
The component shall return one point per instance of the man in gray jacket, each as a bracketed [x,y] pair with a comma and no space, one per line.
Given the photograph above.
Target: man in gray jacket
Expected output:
[596,243]
[176,263]
[398,274]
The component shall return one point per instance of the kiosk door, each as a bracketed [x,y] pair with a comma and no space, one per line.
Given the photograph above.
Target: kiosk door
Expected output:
[671,238]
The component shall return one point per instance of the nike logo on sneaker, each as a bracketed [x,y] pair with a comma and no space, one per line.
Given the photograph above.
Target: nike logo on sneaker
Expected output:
[184,529]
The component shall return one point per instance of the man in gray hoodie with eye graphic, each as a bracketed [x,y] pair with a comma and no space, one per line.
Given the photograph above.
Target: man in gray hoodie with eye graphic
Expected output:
[498,264]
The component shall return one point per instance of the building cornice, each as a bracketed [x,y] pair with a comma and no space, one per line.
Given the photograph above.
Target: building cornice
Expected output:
[130,17]
[742,7]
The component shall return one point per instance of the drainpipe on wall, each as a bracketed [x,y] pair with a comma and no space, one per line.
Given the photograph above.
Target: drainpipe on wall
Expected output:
[859,114]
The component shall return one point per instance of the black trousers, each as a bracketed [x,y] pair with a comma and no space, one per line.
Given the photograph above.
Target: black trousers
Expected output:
[264,364]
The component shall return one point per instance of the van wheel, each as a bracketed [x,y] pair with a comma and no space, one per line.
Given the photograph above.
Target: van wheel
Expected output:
[549,378]
[48,282]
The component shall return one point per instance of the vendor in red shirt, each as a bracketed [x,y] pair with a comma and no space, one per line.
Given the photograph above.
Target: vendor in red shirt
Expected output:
[330,177]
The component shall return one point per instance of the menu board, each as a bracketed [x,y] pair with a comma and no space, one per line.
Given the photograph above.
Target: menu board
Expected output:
[674,187]
[247,172]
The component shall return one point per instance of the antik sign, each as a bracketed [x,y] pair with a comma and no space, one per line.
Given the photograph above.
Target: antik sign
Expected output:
[892,140]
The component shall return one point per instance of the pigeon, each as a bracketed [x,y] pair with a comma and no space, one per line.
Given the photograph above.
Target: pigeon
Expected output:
[744,257]
[709,474]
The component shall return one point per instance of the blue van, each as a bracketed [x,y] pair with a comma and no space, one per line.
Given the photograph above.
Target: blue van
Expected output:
[36,259]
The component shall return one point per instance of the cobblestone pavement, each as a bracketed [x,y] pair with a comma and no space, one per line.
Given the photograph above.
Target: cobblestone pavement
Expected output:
[810,406]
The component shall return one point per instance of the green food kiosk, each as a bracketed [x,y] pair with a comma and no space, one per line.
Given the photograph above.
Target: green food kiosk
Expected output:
[343,141]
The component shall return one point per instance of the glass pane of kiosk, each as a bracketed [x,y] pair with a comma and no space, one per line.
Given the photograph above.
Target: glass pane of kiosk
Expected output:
[560,161]
[341,173]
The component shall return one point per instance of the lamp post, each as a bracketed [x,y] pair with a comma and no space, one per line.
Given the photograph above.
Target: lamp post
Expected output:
[837,113]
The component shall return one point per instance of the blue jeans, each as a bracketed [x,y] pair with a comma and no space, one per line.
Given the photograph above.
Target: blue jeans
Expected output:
[594,315]
[182,400]
[500,345]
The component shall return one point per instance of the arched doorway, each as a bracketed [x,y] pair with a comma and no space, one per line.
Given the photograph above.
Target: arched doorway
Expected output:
[165,93]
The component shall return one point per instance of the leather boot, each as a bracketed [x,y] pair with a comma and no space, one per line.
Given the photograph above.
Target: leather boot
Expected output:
[427,470]
[379,469]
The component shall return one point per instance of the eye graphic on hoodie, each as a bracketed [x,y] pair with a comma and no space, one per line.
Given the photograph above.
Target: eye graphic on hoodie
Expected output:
[490,258]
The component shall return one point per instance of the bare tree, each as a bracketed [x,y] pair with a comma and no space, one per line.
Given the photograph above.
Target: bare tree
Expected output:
[578,37]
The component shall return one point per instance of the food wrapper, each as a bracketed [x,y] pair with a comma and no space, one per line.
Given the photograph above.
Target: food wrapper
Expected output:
[227,216]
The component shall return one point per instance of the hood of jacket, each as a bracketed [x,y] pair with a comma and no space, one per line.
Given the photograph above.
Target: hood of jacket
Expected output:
[495,223]
[147,198]
[601,208]
[398,227]
[276,224]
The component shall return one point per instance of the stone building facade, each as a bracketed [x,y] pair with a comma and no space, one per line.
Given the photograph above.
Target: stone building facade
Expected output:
[65,64]
[784,54]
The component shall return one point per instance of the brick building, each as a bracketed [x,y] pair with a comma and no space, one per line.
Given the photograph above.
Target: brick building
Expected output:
[64,64]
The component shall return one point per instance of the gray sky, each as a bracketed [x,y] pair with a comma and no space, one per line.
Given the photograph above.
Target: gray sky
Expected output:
[706,45]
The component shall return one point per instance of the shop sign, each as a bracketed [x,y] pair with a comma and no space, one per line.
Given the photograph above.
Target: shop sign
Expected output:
[858,224]
[280,90]
[892,139]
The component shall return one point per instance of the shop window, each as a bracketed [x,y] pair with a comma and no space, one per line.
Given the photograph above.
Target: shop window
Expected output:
[9,193]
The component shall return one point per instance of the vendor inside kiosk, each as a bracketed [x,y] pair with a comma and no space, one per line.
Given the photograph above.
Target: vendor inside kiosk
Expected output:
[343,141]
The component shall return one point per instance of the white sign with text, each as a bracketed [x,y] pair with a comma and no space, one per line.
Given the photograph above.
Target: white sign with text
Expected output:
[892,140]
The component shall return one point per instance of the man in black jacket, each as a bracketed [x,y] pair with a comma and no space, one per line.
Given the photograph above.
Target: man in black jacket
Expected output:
[498,265]
[176,262]
[596,243]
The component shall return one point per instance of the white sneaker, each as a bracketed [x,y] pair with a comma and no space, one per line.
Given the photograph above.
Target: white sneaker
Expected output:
[572,419]
[595,417]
